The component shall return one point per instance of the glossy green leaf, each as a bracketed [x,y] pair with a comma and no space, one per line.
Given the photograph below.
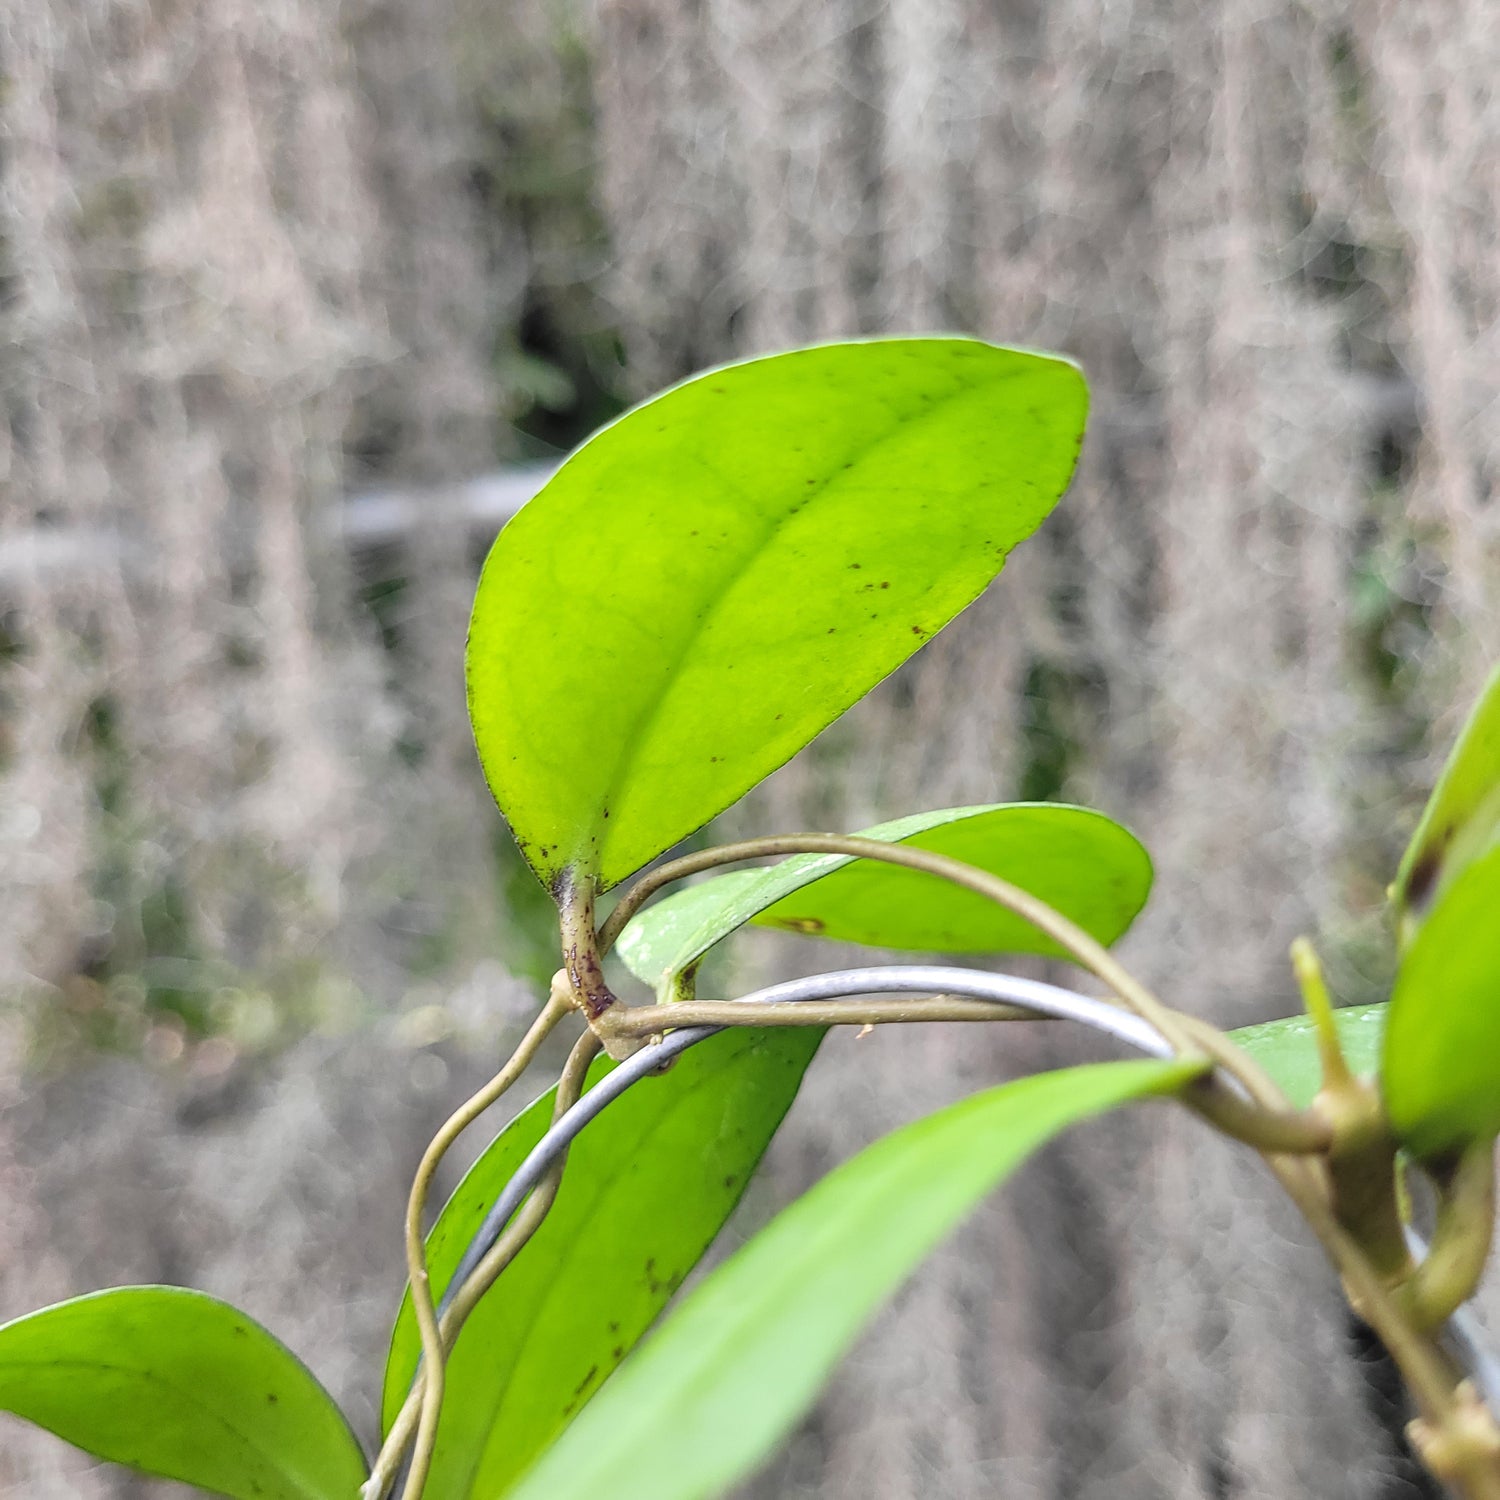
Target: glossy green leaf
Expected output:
[1288,1050]
[744,1356]
[646,1190]
[1462,817]
[1075,859]
[174,1383]
[1441,1061]
[711,580]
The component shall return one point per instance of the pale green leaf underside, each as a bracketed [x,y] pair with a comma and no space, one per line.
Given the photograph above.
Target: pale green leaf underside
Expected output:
[173,1383]
[1441,1061]
[1461,818]
[1077,860]
[744,1356]
[1288,1050]
[646,1190]
[711,580]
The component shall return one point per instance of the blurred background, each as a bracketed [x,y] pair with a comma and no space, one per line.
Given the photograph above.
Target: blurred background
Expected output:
[299,299]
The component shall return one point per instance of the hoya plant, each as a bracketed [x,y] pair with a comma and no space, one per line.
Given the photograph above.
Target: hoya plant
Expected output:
[700,590]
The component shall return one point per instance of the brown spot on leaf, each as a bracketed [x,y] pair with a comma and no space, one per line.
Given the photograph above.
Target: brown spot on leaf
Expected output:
[808,925]
[1424,876]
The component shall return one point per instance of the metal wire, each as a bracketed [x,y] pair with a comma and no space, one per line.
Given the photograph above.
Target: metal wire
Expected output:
[1030,994]
[1048,1000]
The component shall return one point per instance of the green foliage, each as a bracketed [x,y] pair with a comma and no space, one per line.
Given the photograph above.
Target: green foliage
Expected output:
[1288,1050]
[644,1194]
[745,1354]
[1461,819]
[1077,860]
[712,579]
[174,1383]
[696,594]
[1441,1062]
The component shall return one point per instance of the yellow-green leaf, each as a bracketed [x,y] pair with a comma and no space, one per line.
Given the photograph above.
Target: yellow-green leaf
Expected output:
[711,580]
[1077,860]
[173,1383]
[1461,819]
[1440,1066]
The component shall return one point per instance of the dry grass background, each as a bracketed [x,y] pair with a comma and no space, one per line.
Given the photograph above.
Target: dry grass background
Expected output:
[256,930]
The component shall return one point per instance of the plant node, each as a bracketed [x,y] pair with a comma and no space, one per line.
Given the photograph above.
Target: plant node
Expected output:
[1463,1449]
[580,946]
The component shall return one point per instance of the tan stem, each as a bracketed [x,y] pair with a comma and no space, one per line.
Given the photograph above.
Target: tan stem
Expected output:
[430,1407]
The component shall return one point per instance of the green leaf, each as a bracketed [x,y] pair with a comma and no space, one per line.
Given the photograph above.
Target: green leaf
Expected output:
[1441,1062]
[645,1192]
[1075,859]
[1462,817]
[711,580]
[1288,1050]
[744,1356]
[174,1383]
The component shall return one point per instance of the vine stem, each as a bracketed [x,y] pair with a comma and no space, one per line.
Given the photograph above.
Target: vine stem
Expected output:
[1279,1129]
[517,1235]
[557,1006]
[1067,934]
[1429,1374]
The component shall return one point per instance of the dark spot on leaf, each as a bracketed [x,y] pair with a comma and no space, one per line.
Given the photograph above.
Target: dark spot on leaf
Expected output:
[801,924]
[917,630]
[854,565]
[832,629]
[271,1398]
[614,1327]
[1424,874]
[885,583]
[583,1384]
[618,1352]
[730,1181]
